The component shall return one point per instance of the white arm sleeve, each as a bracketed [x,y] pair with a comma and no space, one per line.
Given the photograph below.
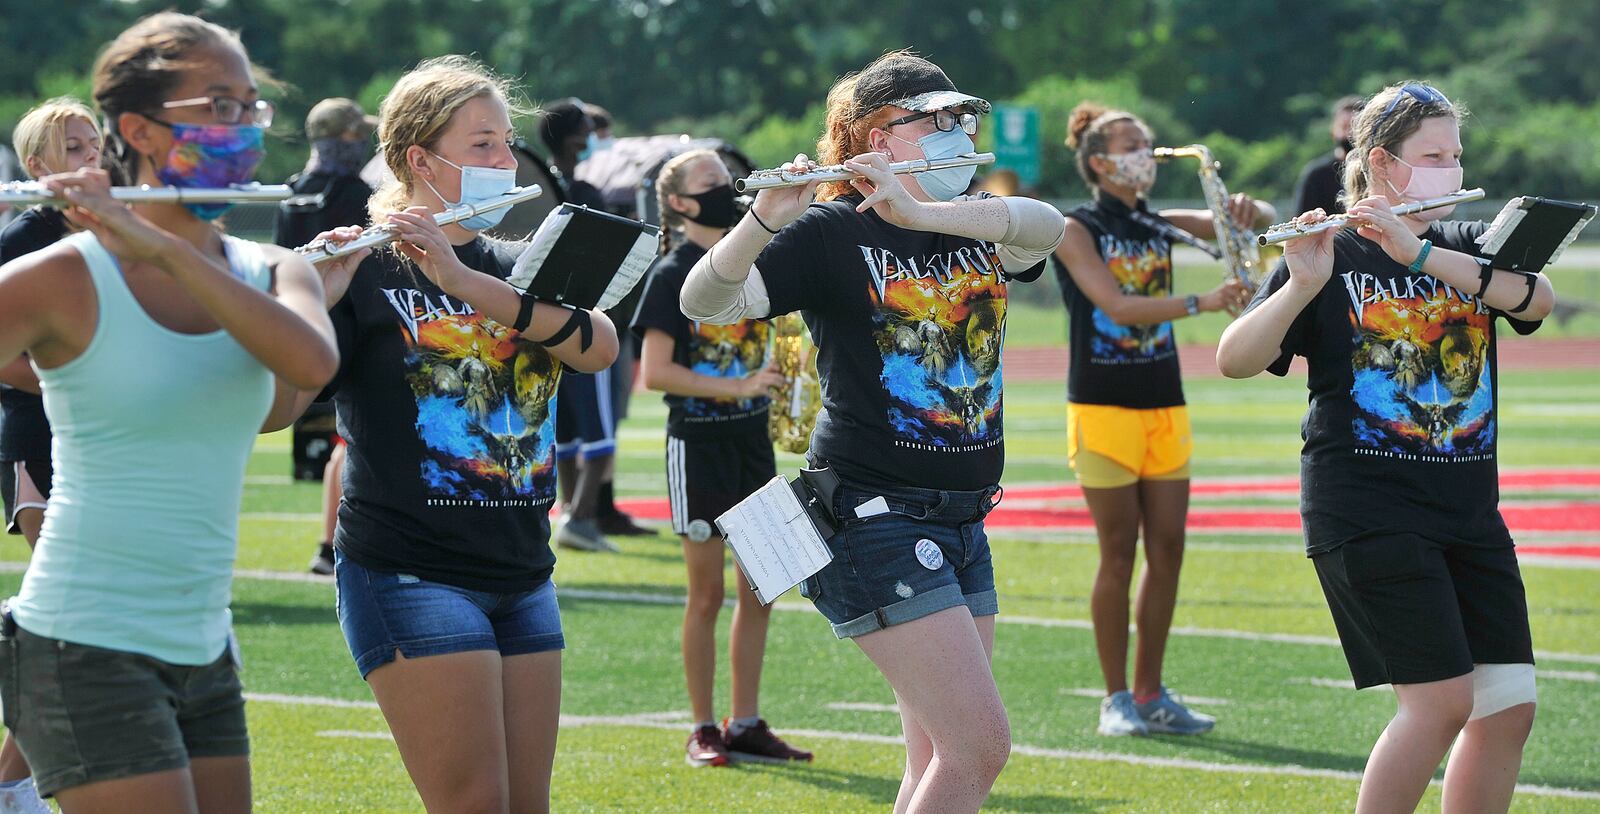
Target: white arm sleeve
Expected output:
[708,297]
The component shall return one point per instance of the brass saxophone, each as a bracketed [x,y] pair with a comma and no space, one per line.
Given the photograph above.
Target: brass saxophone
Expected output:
[1237,242]
[794,408]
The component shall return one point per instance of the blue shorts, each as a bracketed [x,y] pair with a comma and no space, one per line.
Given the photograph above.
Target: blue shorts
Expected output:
[927,552]
[585,427]
[381,612]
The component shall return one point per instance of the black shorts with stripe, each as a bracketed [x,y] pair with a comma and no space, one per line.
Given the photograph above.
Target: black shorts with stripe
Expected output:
[24,485]
[707,476]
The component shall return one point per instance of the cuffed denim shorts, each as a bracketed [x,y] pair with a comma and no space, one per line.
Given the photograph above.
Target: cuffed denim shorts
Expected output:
[925,553]
[382,612]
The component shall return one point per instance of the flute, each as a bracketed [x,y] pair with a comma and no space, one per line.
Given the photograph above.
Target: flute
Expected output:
[319,250]
[1291,230]
[34,192]
[775,178]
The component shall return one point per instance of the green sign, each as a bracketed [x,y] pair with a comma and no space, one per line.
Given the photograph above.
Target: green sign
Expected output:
[1016,141]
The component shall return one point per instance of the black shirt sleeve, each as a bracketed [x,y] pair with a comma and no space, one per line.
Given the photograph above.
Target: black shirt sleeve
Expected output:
[1297,340]
[33,230]
[794,264]
[658,308]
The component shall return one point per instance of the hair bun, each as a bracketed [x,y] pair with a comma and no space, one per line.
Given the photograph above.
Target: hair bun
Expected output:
[1082,116]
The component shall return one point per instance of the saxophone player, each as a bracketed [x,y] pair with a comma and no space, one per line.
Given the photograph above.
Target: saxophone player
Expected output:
[1128,434]
[718,452]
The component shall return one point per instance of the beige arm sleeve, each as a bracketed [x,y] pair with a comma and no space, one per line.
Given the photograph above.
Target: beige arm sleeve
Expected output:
[1035,230]
[709,297]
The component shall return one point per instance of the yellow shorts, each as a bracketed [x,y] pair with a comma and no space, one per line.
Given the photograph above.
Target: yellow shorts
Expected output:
[1110,447]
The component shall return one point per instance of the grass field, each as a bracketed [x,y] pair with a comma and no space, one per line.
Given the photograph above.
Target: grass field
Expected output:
[1253,646]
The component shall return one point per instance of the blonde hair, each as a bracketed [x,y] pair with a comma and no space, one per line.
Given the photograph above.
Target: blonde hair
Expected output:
[418,110]
[1380,125]
[42,133]
[1089,131]
[670,181]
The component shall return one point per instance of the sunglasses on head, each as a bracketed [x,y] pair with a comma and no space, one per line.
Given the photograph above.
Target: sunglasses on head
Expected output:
[1421,93]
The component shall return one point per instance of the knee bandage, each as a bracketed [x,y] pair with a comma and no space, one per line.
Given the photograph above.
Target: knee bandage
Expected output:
[1499,687]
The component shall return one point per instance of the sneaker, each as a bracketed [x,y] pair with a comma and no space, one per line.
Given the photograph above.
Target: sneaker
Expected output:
[758,744]
[1119,717]
[322,563]
[21,797]
[582,535]
[706,747]
[1166,716]
[621,524]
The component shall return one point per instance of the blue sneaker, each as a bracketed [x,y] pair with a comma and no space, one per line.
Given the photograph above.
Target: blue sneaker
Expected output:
[1119,717]
[1166,716]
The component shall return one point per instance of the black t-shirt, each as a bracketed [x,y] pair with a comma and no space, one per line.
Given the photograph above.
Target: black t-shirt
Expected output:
[908,327]
[1401,430]
[450,419]
[726,351]
[1319,186]
[1133,366]
[24,429]
[344,203]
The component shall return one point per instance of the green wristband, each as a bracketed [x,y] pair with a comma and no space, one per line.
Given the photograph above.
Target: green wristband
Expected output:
[1422,257]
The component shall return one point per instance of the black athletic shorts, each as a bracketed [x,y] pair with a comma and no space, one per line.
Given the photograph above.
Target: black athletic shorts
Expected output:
[706,477]
[1410,610]
[15,493]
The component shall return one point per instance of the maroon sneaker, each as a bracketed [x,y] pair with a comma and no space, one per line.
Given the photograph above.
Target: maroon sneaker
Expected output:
[759,745]
[706,747]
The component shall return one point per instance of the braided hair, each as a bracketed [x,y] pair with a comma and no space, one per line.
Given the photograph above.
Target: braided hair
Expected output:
[671,181]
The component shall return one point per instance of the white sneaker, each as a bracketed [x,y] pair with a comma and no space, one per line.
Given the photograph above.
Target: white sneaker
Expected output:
[22,798]
[582,535]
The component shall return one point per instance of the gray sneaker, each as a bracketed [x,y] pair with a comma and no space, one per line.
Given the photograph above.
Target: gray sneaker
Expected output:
[1119,718]
[582,534]
[1166,716]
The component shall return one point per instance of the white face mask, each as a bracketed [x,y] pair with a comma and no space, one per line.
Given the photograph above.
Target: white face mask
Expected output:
[478,184]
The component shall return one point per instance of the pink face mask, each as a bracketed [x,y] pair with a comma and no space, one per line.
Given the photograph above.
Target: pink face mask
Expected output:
[1425,183]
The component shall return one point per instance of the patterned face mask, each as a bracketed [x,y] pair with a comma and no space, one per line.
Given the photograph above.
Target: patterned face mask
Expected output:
[208,156]
[1135,170]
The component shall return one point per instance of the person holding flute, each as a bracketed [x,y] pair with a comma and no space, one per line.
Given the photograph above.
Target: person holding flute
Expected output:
[445,399]
[1399,486]
[902,281]
[157,340]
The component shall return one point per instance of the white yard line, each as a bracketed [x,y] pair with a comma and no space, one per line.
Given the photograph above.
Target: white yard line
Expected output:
[658,721]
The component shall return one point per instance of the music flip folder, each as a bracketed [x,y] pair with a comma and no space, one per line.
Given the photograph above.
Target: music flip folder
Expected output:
[585,258]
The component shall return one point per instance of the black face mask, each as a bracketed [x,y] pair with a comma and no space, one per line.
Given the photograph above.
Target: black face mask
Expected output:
[716,207]
[1346,144]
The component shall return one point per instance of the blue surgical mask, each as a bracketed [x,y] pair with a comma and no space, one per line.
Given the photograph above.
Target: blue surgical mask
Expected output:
[478,184]
[945,184]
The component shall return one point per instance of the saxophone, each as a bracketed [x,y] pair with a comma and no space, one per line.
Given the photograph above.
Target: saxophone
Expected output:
[1237,242]
[795,404]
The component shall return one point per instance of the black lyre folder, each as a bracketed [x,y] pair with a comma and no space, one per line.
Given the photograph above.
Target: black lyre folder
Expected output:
[585,258]
[1530,232]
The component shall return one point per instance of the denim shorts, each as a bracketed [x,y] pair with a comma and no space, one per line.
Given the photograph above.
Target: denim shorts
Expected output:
[86,714]
[925,552]
[381,612]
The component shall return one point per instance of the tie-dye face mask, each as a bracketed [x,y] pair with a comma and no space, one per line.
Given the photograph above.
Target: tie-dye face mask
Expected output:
[209,156]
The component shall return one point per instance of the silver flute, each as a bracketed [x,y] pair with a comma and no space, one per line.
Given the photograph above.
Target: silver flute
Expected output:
[775,178]
[34,192]
[1291,230]
[319,250]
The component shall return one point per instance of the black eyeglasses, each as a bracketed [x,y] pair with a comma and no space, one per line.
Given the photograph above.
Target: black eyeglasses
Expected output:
[229,110]
[1421,93]
[945,120]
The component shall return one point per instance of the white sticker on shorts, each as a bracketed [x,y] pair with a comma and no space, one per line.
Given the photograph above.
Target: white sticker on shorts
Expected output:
[699,531]
[929,555]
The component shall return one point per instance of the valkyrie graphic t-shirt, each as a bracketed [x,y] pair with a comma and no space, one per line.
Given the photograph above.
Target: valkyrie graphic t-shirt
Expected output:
[450,421]
[908,327]
[1401,430]
[723,351]
[1132,366]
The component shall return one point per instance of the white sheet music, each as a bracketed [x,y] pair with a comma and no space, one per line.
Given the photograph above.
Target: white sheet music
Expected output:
[633,267]
[773,540]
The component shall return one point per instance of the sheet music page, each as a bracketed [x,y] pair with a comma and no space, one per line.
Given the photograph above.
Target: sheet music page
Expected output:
[773,540]
[539,246]
[640,256]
